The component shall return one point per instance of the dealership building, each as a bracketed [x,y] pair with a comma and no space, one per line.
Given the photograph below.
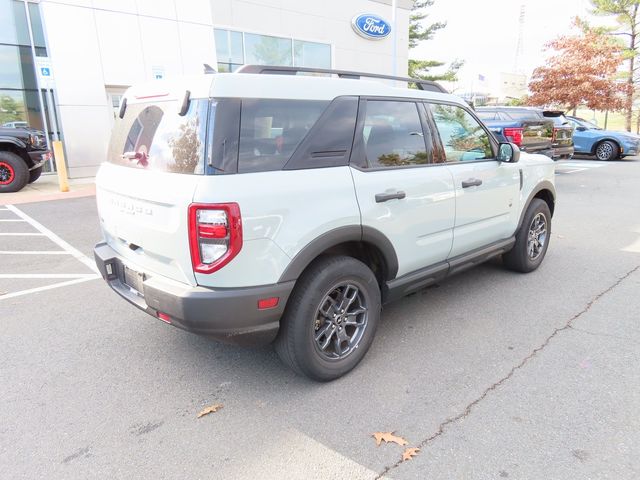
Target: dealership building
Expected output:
[64,65]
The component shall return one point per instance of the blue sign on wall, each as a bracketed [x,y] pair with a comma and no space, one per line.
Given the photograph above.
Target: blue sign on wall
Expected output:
[371,26]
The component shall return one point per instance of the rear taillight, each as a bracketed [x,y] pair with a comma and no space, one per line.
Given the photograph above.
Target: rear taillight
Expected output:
[555,134]
[215,235]
[514,135]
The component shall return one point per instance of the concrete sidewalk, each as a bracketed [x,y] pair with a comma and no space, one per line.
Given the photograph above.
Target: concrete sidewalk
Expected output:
[47,188]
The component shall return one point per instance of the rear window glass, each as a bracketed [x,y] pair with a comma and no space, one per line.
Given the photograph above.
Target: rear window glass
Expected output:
[558,120]
[155,137]
[522,115]
[483,115]
[271,130]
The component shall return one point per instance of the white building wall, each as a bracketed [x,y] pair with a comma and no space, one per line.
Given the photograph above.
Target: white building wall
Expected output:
[99,45]
[326,21]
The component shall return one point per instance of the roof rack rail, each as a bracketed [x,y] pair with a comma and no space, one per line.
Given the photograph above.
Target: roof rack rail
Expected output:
[277,70]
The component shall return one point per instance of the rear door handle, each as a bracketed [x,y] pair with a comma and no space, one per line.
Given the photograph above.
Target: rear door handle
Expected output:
[385,197]
[472,182]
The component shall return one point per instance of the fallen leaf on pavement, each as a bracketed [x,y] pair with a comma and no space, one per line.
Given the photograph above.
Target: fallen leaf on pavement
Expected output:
[211,409]
[388,437]
[409,453]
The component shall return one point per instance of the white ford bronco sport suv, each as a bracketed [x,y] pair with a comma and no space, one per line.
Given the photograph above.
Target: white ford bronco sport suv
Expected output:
[265,206]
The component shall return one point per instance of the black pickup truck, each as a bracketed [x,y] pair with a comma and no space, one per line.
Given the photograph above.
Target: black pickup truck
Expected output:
[23,151]
[534,130]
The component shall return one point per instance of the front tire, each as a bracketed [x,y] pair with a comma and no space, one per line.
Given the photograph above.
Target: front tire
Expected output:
[35,174]
[532,239]
[330,319]
[13,173]
[606,151]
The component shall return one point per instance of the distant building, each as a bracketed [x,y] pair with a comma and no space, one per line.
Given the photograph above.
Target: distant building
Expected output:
[510,86]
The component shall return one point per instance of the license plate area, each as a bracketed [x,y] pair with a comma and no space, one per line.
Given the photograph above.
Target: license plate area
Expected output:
[133,279]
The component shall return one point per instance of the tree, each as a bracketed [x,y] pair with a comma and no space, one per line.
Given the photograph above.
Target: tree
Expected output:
[10,110]
[583,71]
[626,13]
[420,32]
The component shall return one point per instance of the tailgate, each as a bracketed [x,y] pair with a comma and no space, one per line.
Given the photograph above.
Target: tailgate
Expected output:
[536,135]
[154,162]
[143,215]
[564,137]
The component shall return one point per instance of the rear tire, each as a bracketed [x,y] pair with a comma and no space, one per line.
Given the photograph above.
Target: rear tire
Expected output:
[35,174]
[532,239]
[607,150]
[14,174]
[330,319]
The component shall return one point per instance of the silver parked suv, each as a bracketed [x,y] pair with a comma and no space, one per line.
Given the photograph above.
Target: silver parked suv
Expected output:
[265,206]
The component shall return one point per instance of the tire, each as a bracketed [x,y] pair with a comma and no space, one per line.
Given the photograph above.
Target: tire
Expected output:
[14,174]
[304,330]
[526,256]
[35,174]
[606,151]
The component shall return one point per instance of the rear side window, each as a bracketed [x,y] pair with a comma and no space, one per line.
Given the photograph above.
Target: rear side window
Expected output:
[522,115]
[271,130]
[393,134]
[156,137]
[484,115]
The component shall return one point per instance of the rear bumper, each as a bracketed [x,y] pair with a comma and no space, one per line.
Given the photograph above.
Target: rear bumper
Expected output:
[563,152]
[230,315]
[540,151]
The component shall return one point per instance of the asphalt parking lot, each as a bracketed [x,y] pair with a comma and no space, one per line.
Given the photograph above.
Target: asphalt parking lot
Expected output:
[492,374]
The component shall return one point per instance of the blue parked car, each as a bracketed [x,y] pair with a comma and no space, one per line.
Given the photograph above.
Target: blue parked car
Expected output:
[589,139]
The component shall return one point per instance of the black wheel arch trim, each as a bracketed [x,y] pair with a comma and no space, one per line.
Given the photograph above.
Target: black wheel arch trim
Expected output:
[542,186]
[335,237]
[14,141]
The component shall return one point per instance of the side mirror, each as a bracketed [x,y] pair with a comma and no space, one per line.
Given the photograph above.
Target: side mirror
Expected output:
[581,129]
[508,153]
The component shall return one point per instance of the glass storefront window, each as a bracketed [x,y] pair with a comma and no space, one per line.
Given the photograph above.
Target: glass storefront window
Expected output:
[311,54]
[235,49]
[266,50]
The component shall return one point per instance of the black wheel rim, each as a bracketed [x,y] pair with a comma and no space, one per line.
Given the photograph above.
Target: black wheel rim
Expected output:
[6,173]
[340,321]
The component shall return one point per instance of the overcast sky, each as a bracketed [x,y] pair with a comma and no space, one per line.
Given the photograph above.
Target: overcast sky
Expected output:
[484,33]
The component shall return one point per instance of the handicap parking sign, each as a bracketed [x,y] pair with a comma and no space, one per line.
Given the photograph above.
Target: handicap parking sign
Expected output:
[45,71]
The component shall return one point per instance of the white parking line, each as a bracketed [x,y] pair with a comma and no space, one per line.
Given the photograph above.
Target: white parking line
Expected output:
[34,252]
[46,287]
[22,234]
[55,238]
[67,249]
[31,276]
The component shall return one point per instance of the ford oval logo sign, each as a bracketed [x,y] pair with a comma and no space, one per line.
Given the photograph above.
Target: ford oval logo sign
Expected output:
[371,26]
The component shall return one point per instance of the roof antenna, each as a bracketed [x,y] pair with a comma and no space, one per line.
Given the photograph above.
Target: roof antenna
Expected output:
[209,69]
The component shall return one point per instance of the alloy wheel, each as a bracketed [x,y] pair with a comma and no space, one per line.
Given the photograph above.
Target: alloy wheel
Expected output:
[604,151]
[537,237]
[340,321]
